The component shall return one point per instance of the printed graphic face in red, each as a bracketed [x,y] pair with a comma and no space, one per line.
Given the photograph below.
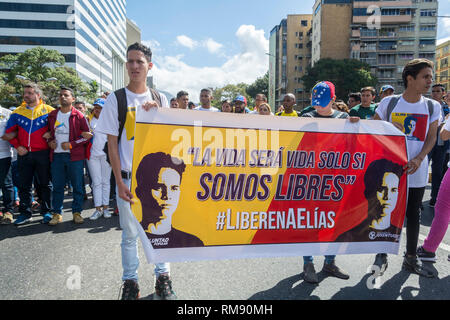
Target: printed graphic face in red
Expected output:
[323,192]
[414,125]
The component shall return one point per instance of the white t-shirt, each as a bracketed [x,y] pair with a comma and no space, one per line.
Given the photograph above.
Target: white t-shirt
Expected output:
[415,119]
[213,109]
[5,147]
[62,131]
[99,140]
[109,123]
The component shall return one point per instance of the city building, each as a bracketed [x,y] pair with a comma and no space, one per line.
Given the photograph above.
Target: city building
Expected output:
[330,29]
[388,34]
[90,34]
[133,36]
[290,55]
[442,67]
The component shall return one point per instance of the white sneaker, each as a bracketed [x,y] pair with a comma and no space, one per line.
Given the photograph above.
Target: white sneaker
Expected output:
[106,213]
[97,214]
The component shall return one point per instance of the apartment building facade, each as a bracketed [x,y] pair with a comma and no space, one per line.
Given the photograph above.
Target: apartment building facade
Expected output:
[290,55]
[91,34]
[388,34]
[442,64]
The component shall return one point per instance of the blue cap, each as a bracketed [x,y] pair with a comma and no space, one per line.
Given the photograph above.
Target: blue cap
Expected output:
[322,94]
[387,87]
[99,102]
[241,99]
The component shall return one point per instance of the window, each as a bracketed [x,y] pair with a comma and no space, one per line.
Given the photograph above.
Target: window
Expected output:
[387,45]
[406,56]
[427,42]
[34,24]
[304,23]
[428,27]
[33,7]
[429,56]
[407,42]
[428,13]
[407,28]
[37,41]
[386,73]
[386,59]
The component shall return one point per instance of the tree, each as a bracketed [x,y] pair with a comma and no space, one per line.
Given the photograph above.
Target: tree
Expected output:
[348,75]
[261,85]
[45,67]
[230,91]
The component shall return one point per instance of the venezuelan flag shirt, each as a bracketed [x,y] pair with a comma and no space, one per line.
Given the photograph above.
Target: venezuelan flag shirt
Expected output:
[30,124]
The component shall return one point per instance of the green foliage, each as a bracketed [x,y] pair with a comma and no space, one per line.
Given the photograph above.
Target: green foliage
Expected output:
[231,91]
[261,85]
[348,75]
[45,67]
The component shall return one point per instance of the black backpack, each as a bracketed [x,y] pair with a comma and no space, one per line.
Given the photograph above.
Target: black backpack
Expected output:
[122,106]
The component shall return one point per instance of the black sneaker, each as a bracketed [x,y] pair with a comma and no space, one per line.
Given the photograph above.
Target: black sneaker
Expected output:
[333,270]
[381,262]
[425,255]
[130,290]
[414,265]
[163,289]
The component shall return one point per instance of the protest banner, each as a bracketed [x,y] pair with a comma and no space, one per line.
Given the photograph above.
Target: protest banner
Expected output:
[226,186]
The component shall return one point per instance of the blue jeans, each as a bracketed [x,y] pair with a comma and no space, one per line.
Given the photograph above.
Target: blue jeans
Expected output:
[129,245]
[62,166]
[328,259]
[6,185]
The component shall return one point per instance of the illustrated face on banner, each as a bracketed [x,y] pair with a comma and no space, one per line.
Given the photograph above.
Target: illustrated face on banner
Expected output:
[389,193]
[414,125]
[166,192]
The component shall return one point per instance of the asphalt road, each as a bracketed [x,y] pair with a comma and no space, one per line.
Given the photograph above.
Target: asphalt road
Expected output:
[83,262]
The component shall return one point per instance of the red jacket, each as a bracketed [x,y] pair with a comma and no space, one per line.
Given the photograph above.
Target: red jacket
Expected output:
[77,125]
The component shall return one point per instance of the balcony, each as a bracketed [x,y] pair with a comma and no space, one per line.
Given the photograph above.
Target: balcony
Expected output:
[384,19]
[384,4]
[427,48]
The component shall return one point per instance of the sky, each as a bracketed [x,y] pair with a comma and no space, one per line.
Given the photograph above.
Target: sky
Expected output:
[212,43]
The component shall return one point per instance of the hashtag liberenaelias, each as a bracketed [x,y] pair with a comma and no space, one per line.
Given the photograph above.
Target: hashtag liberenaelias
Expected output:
[221,221]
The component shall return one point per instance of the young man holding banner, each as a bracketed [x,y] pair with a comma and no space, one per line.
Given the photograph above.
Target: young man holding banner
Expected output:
[118,121]
[425,113]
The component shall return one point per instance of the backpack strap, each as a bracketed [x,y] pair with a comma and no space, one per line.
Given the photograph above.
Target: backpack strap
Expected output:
[392,104]
[430,107]
[156,97]
[122,109]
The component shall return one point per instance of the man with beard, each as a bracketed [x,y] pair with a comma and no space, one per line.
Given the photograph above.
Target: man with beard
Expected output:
[158,188]
[381,181]
[24,131]
[69,138]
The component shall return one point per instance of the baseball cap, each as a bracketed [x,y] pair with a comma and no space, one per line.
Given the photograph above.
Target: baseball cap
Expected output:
[323,93]
[387,87]
[241,99]
[99,102]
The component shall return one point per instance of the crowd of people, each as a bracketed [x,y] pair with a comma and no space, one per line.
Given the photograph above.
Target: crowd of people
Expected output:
[47,151]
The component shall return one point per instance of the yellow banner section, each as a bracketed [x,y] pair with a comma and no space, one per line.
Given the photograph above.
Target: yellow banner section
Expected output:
[214,151]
